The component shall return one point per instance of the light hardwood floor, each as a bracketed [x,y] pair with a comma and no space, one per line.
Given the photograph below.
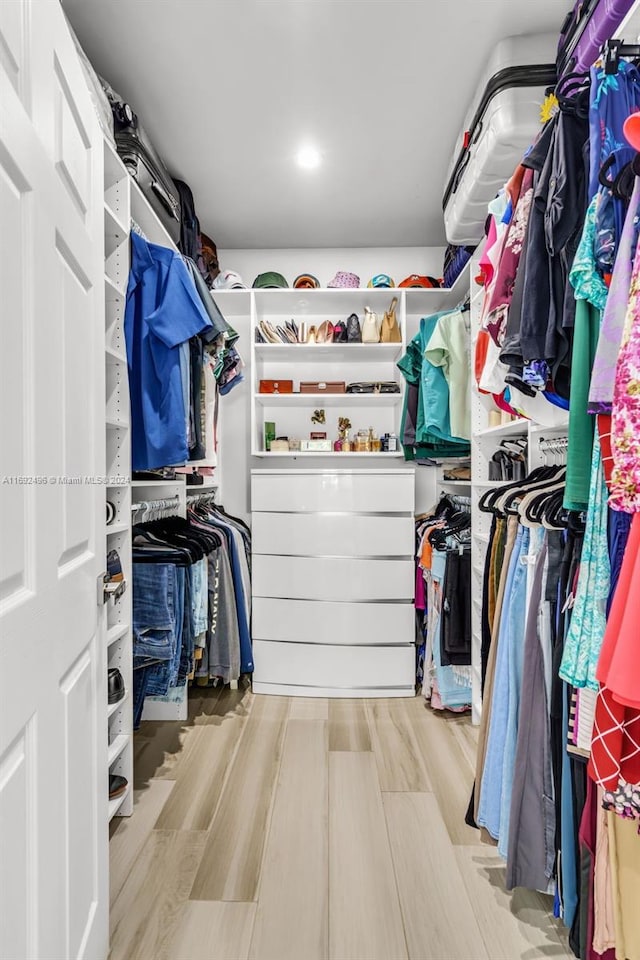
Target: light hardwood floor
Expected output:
[273,829]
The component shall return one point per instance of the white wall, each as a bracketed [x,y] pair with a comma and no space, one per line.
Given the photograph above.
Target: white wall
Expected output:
[235,409]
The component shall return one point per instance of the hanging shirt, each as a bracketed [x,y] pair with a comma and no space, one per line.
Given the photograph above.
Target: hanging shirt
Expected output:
[448,348]
[163,311]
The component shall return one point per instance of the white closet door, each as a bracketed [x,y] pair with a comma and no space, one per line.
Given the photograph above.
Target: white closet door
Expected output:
[53,765]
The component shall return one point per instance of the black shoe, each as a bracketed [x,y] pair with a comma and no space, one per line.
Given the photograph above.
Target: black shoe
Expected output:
[115,685]
[117,786]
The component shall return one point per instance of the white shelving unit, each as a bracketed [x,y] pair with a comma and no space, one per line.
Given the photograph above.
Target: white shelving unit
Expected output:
[119,651]
[485,440]
[346,362]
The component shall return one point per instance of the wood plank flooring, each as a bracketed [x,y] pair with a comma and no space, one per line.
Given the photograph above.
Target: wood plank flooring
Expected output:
[268,828]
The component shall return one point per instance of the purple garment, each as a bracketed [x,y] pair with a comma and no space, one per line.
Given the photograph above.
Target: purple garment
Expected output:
[609,342]
[604,23]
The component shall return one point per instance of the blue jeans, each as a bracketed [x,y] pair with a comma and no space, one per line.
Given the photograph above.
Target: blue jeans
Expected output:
[199,599]
[153,610]
[517,625]
[618,531]
[491,790]
[164,675]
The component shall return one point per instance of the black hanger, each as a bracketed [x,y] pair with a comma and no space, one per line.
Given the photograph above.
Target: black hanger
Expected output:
[571,84]
[488,500]
[614,50]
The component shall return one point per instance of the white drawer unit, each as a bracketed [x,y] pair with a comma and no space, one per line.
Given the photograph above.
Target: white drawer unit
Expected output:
[332,535]
[331,623]
[332,578]
[337,671]
[333,491]
[333,582]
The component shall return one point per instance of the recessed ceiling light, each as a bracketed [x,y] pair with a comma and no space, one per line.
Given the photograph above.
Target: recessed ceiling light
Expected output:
[308,158]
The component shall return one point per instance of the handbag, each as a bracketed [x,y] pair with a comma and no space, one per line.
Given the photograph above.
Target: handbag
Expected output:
[386,386]
[390,328]
[354,334]
[370,327]
[340,332]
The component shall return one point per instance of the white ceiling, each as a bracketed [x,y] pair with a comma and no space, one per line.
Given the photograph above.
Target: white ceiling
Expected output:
[228,91]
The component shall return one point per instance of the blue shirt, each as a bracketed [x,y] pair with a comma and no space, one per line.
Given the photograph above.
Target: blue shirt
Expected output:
[163,310]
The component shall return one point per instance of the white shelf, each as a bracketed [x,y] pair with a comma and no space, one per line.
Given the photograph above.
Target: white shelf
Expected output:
[513,429]
[113,291]
[118,746]
[114,228]
[116,632]
[147,219]
[423,302]
[115,356]
[118,637]
[485,484]
[232,303]
[332,453]
[114,168]
[201,487]
[323,352]
[158,483]
[116,528]
[327,399]
[323,302]
[114,707]
[114,805]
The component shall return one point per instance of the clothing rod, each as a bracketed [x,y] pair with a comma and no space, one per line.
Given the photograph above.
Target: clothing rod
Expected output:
[201,495]
[459,501]
[162,504]
[558,443]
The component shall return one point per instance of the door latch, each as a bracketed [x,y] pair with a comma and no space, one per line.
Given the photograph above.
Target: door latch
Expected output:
[109,589]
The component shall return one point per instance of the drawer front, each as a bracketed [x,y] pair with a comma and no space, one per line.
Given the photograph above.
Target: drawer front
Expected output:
[311,578]
[326,492]
[314,535]
[345,667]
[344,624]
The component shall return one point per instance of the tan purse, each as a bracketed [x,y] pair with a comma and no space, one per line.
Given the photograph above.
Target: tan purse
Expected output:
[390,332]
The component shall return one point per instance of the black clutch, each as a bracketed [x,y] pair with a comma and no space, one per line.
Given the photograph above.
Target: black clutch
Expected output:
[387,386]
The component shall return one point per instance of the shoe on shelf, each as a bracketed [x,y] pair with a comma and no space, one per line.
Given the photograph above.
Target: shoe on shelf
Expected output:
[117,786]
[311,336]
[115,685]
[114,567]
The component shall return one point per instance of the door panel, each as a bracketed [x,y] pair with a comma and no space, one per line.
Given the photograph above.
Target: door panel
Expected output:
[15,499]
[17,874]
[13,50]
[53,731]
[72,144]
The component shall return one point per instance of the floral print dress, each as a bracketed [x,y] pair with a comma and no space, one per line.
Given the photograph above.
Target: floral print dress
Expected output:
[625,420]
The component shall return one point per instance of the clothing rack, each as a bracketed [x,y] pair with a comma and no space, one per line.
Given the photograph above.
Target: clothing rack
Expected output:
[613,50]
[198,496]
[156,507]
[458,501]
[136,228]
